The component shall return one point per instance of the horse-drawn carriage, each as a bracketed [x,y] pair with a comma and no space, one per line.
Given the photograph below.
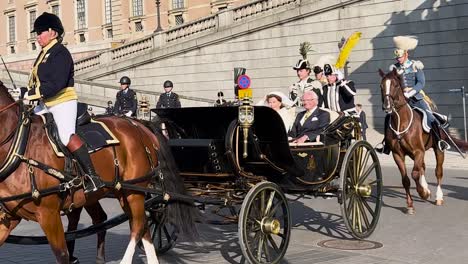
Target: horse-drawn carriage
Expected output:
[229,157]
[241,156]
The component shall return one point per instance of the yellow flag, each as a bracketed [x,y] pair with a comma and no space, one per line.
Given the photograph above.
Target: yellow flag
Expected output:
[346,49]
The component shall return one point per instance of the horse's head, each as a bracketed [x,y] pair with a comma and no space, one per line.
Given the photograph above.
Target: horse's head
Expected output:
[392,93]
[5,96]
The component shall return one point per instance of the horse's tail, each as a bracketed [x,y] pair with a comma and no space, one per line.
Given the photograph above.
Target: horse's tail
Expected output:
[461,144]
[182,214]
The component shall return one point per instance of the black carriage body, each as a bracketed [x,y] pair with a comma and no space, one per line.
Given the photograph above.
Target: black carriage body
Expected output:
[207,141]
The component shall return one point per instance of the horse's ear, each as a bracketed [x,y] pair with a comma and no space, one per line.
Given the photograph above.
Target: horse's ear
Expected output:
[382,74]
[394,70]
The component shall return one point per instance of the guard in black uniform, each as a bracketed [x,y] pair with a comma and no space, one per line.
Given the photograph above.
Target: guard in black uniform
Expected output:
[126,99]
[168,99]
[51,83]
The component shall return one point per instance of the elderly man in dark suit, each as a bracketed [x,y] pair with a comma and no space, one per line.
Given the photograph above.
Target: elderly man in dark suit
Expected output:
[309,123]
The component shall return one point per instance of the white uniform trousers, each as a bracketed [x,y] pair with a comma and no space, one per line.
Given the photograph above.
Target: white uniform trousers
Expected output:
[64,116]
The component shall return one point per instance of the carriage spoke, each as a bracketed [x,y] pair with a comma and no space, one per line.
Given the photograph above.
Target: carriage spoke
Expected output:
[269,203]
[359,161]
[350,175]
[365,160]
[262,204]
[260,247]
[273,243]
[358,217]
[281,235]
[368,207]
[159,234]
[275,207]
[355,168]
[364,215]
[350,204]
[367,173]
[267,252]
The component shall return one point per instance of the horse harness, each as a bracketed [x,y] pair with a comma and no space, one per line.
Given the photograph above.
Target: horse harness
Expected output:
[69,182]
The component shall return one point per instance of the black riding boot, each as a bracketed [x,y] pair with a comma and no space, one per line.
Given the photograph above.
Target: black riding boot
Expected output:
[441,144]
[385,149]
[91,182]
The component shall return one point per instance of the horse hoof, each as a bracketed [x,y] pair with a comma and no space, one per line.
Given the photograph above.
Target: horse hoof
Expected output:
[439,202]
[74,260]
[410,210]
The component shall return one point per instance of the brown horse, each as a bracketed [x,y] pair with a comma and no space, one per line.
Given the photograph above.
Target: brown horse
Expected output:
[138,149]
[406,137]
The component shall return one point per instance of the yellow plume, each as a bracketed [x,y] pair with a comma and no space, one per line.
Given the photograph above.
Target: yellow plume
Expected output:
[346,49]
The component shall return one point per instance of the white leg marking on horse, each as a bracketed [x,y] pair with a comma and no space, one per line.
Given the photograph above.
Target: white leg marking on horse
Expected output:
[439,193]
[422,181]
[387,87]
[150,252]
[128,257]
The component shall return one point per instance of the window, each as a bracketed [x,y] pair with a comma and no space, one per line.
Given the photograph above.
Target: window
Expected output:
[55,10]
[137,7]
[138,26]
[11,29]
[176,4]
[108,11]
[110,34]
[12,50]
[179,19]
[33,46]
[80,14]
[32,18]
[82,38]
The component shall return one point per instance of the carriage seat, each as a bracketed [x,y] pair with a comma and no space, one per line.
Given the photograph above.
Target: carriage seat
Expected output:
[305,144]
[333,114]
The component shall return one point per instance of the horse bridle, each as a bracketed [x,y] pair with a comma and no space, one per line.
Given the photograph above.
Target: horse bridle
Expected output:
[395,109]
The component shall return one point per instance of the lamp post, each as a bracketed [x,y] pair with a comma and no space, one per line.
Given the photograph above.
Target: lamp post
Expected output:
[462,90]
[158,4]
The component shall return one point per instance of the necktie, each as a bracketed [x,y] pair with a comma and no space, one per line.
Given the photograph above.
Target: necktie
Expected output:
[307,114]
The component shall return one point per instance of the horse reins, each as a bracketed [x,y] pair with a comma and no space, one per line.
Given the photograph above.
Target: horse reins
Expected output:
[397,132]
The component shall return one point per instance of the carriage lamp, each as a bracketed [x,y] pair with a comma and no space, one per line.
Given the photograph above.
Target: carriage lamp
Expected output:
[246,119]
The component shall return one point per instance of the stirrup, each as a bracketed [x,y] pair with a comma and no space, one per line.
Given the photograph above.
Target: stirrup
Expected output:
[443,145]
[90,184]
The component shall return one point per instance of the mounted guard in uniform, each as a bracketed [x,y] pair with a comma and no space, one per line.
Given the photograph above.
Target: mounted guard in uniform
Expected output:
[126,99]
[413,81]
[51,83]
[305,83]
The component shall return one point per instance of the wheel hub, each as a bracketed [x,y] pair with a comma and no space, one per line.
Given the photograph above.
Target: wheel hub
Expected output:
[271,226]
[364,190]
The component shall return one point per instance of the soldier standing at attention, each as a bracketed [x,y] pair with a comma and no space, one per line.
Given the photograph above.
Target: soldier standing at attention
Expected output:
[126,101]
[305,83]
[168,99]
[51,83]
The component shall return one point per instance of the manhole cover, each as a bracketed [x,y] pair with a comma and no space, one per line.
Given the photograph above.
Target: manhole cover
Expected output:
[346,244]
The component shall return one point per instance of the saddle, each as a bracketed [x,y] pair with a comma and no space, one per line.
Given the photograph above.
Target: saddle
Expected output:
[95,134]
[426,124]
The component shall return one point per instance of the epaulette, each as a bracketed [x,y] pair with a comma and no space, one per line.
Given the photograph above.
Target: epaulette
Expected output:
[393,66]
[418,65]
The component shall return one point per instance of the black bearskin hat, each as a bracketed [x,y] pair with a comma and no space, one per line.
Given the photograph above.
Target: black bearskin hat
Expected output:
[46,21]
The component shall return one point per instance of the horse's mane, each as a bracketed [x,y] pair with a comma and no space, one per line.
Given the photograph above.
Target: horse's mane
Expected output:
[4,90]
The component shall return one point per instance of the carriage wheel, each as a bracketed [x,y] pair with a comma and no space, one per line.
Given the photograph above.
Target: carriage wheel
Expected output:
[361,189]
[264,224]
[163,233]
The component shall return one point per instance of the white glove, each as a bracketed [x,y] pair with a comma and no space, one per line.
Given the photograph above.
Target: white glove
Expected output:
[410,93]
[407,95]
[129,113]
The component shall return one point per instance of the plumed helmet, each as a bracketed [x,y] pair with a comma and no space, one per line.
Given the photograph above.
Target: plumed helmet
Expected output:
[168,84]
[125,80]
[46,21]
[302,64]
[328,69]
